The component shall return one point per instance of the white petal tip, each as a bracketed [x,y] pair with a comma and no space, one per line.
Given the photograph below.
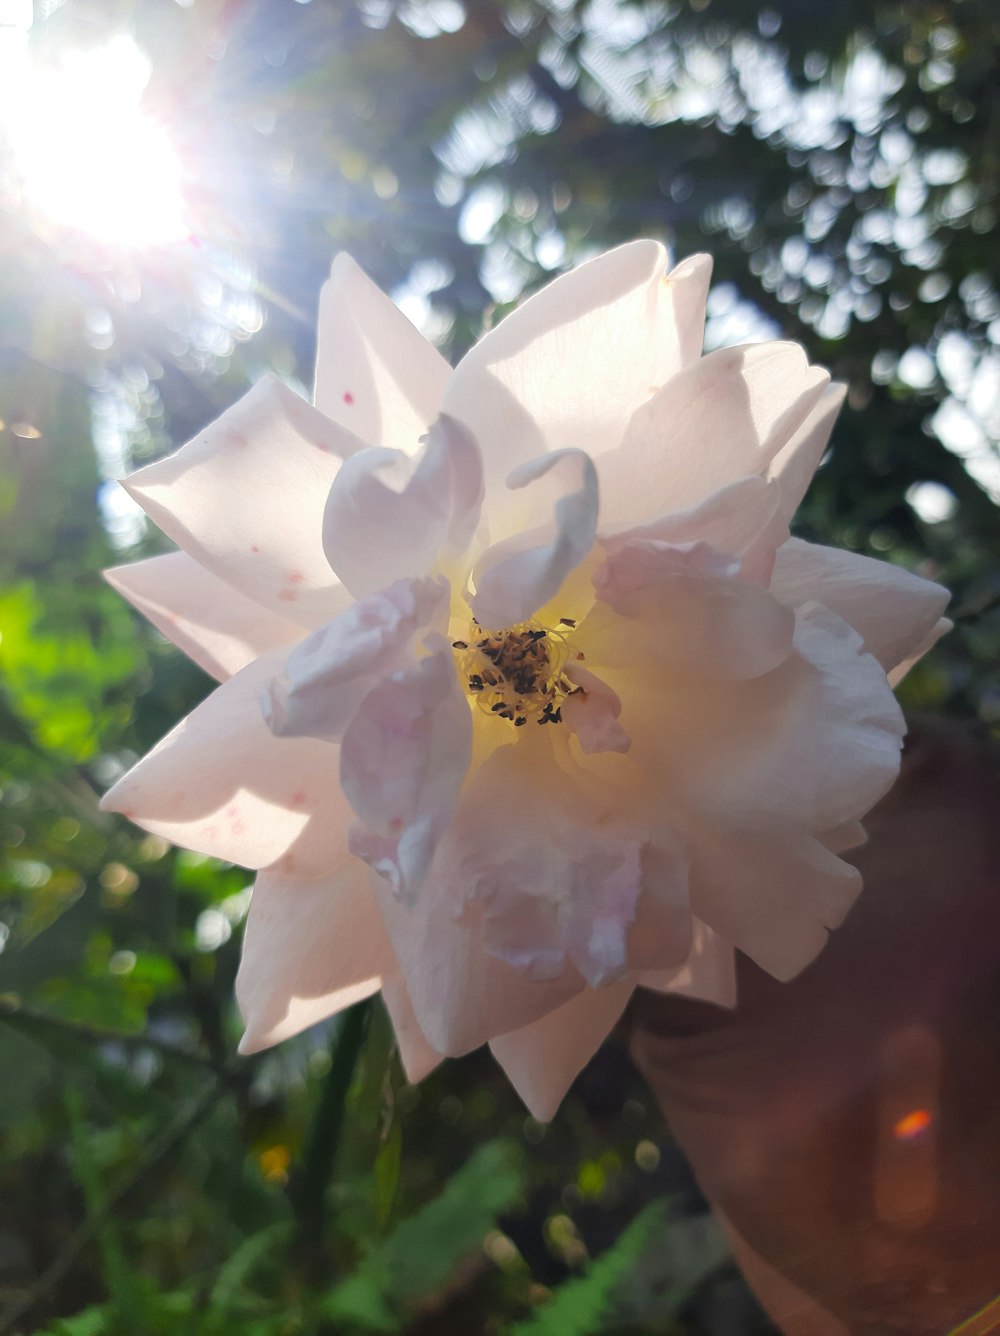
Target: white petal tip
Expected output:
[111,801]
[252,1043]
[691,264]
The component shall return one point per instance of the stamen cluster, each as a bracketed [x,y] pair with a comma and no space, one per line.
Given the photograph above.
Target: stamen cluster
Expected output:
[518,673]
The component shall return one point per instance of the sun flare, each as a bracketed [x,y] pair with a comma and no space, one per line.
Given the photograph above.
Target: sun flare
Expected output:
[87,155]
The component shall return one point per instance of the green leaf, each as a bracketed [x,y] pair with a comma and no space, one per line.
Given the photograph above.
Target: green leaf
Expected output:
[580,1305]
[422,1254]
[91,1322]
[124,1286]
[231,1280]
[387,1164]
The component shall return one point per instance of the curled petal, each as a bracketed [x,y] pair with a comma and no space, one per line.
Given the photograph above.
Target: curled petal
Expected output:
[245,499]
[799,750]
[311,948]
[896,613]
[591,713]
[403,760]
[514,578]
[722,419]
[222,784]
[570,365]
[774,899]
[327,676]
[214,624]
[375,373]
[391,515]
[543,1059]
[680,608]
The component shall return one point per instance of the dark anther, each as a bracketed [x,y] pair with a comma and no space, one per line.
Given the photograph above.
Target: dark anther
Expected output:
[459,644]
[567,621]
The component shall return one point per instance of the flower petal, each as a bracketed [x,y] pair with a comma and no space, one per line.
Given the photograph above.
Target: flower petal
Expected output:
[544,1058]
[708,974]
[661,934]
[311,948]
[681,609]
[533,869]
[721,419]
[375,373]
[328,675]
[895,611]
[222,784]
[728,520]
[802,749]
[390,514]
[571,364]
[415,1052]
[848,835]
[591,713]
[514,579]
[245,499]
[793,467]
[461,995]
[773,899]
[215,625]
[941,628]
[552,864]
[403,760]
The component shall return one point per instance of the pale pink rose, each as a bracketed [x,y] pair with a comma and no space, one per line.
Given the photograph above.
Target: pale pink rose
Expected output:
[528,697]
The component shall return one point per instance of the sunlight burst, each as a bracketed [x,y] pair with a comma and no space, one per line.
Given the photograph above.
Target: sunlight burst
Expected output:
[87,155]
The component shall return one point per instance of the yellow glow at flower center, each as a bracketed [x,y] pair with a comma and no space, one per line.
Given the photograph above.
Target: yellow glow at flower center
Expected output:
[518,673]
[86,154]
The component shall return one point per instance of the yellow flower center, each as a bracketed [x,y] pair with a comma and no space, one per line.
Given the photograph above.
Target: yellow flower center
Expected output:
[518,673]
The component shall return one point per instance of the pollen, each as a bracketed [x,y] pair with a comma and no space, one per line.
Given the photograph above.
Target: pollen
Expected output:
[517,674]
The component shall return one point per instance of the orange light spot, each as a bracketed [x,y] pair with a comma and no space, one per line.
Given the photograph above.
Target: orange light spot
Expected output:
[912,1125]
[274,1163]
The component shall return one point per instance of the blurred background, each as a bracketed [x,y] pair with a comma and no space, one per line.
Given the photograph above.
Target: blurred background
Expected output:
[175,177]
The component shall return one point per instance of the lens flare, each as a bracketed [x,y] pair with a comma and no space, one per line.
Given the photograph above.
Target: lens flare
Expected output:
[87,155]
[912,1125]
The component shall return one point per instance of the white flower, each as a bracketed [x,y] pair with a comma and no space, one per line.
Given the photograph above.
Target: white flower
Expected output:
[528,698]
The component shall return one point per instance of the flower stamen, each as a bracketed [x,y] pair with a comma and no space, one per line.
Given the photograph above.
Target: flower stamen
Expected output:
[517,673]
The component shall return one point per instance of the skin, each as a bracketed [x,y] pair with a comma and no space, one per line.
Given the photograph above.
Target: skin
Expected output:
[846,1125]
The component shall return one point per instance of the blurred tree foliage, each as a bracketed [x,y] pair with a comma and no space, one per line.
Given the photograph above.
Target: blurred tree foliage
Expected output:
[842,164]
